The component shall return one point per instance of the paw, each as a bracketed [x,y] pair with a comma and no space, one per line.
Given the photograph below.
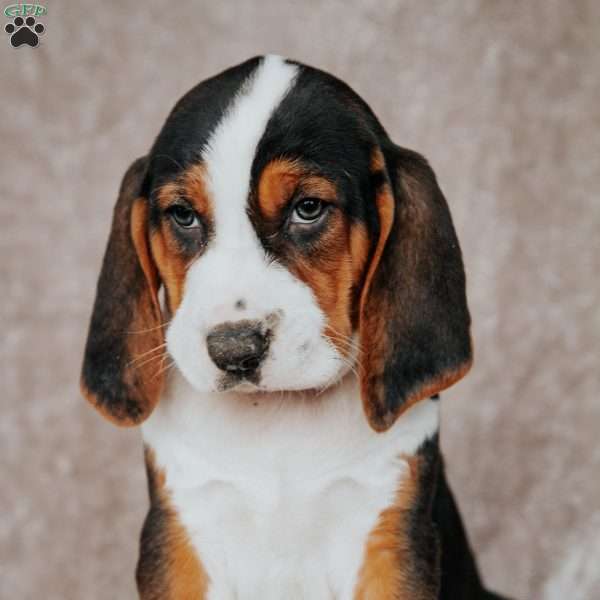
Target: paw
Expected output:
[24,31]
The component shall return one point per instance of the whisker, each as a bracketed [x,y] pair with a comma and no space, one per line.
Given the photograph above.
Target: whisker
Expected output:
[353,363]
[329,384]
[349,344]
[164,369]
[340,341]
[143,354]
[343,335]
[352,367]
[147,361]
[149,329]
[327,325]
[345,341]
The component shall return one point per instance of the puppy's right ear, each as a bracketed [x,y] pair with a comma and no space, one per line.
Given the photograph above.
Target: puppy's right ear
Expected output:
[125,344]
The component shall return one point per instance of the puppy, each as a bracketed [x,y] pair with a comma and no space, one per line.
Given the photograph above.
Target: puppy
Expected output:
[281,300]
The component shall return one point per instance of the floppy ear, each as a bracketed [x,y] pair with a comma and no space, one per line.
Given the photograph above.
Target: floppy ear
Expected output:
[414,322]
[124,347]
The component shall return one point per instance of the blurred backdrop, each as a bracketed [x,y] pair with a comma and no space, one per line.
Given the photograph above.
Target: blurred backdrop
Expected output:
[502,97]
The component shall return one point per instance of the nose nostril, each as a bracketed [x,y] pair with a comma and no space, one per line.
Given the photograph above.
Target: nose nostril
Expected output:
[250,364]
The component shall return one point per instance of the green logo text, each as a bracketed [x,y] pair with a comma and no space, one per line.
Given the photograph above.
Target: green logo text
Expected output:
[25,10]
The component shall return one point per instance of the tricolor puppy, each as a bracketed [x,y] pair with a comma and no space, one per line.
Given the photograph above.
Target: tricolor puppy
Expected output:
[281,299]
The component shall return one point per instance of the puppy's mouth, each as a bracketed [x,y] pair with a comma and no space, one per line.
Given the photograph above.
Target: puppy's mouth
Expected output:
[241,381]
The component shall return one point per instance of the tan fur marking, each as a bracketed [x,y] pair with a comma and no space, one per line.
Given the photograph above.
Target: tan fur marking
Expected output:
[336,267]
[171,265]
[320,187]
[377,161]
[120,420]
[280,179]
[372,326]
[194,185]
[146,358]
[439,384]
[182,576]
[139,235]
[330,275]
[277,183]
[387,572]
[167,193]
[385,207]
[191,186]
[360,245]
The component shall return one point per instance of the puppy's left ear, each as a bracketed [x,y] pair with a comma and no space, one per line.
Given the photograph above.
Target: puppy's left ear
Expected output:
[125,344]
[414,324]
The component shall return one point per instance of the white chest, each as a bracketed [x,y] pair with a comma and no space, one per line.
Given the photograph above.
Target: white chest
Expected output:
[279,495]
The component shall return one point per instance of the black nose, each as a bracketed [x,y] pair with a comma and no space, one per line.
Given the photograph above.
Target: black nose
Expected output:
[238,346]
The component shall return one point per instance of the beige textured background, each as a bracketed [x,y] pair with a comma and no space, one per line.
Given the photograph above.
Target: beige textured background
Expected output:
[504,99]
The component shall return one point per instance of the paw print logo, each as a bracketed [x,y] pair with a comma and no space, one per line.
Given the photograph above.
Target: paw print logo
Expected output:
[24,31]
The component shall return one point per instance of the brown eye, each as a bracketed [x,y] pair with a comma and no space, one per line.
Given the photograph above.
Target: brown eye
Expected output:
[308,210]
[184,217]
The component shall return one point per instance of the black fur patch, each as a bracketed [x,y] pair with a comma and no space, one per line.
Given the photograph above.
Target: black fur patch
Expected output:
[441,545]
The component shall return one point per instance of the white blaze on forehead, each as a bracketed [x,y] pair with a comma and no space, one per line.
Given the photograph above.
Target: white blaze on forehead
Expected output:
[232,146]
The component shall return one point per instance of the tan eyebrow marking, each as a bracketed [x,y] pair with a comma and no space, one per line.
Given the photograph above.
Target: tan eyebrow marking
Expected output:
[281,178]
[191,185]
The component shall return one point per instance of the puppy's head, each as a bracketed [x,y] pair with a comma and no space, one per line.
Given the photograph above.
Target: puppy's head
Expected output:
[293,241]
